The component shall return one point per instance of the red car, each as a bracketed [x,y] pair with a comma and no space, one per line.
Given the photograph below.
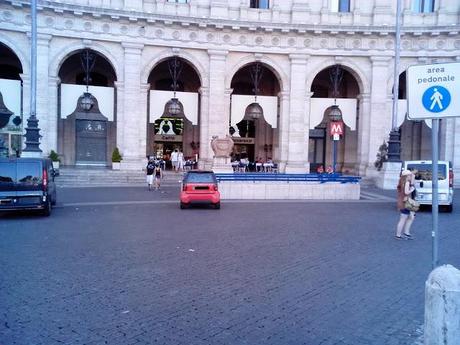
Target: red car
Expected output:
[199,187]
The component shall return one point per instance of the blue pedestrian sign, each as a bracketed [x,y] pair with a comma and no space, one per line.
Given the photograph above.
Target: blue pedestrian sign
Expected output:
[436,99]
[433,91]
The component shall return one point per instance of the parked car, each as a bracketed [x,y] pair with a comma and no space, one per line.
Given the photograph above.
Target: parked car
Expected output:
[199,187]
[27,184]
[424,182]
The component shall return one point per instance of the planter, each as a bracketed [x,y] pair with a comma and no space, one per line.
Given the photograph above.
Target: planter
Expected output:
[55,165]
[116,165]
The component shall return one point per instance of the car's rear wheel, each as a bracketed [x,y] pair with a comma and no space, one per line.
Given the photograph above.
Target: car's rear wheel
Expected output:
[47,210]
[217,205]
[183,205]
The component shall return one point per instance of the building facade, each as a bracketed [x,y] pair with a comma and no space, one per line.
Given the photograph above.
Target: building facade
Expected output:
[217,57]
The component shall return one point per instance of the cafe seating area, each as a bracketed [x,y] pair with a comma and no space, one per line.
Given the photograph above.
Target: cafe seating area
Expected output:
[245,166]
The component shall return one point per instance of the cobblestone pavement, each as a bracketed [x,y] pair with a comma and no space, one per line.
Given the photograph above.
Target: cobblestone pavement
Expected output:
[142,271]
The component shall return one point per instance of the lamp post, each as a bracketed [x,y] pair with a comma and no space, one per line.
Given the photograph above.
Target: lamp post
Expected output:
[336,129]
[254,110]
[175,68]
[394,142]
[32,135]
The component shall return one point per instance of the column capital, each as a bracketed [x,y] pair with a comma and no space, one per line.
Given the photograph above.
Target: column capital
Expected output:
[204,91]
[309,94]
[228,92]
[380,60]
[25,77]
[145,87]
[119,84]
[217,54]
[299,58]
[365,97]
[133,47]
[54,81]
[284,95]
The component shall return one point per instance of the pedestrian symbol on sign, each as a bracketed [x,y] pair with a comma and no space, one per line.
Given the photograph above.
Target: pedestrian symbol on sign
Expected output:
[436,99]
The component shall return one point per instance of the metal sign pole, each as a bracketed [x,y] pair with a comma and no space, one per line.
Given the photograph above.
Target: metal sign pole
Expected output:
[435,201]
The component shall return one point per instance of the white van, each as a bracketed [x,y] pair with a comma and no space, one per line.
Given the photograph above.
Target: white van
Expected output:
[423,182]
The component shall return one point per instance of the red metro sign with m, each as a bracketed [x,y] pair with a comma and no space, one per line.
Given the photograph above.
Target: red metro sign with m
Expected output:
[335,128]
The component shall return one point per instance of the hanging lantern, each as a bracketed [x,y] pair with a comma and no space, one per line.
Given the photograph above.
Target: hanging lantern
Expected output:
[5,114]
[86,102]
[254,111]
[335,114]
[173,107]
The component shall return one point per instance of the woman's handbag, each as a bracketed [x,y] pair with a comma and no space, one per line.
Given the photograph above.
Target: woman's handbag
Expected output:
[411,204]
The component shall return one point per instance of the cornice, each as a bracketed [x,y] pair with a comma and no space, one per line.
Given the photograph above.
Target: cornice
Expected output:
[133,16]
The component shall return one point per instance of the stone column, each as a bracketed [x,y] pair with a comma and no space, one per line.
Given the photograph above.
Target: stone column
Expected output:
[43,41]
[283,130]
[53,85]
[298,146]
[363,133]
[144,98]
[120,90]
[205,158]
[218,103]
[133,114]
[442,307]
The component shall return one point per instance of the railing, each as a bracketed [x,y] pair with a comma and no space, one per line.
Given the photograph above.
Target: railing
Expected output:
[258,177]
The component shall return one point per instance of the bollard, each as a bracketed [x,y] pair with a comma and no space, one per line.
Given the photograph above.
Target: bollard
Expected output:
[442,307]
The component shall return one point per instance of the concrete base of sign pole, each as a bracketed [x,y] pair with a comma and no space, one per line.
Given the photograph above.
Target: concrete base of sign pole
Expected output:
[389,175]
[222,165]
[442,307]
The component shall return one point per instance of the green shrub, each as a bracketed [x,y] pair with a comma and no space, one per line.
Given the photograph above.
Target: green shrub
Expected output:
[54,156]
[116,156]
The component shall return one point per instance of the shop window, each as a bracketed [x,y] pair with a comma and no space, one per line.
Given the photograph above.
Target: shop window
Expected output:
[340,5]
[263,4]
[423,6]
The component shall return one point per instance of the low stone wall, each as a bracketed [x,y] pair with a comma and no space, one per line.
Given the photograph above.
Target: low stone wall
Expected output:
[261,190]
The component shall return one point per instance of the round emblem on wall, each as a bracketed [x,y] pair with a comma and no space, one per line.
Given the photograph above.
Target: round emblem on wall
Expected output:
[457,44]
[106,28]
[227,38]
[259,40]
[307,42]
[210,37]
[141,31]
[68,24]
[176,35]
[340,43]
[389,44]
[124,29]
[193,36]
[356,44]
[323,43]
[423,44]
[406,44]
[159,33]
[291,42]
[49,21]
[242,39]
[372,44]
[87,26]
[7,16]
[275,41]
[440,44]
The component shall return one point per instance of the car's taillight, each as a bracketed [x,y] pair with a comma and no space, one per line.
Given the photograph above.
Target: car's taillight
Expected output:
[184,187]
[215,187]
[45,179]
[451,179]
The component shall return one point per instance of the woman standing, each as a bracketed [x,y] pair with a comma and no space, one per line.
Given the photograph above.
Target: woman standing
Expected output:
[158,175]
[405,189]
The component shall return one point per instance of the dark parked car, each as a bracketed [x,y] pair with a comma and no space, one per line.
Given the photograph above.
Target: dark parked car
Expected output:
[199,187]
[27,184]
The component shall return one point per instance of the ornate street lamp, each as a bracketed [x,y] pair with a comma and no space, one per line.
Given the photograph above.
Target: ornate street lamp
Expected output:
[88,61]
[335,114]
[32,143]
[5,115]
[173,106]
[254,110]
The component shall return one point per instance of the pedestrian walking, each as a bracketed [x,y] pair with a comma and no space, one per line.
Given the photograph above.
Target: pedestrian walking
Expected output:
[150,170]
[158,176]
[180,161]
[175,160]
[405,189]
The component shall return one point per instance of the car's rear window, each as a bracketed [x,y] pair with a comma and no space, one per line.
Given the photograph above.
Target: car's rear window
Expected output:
[7,172]
[29,173]
[200,178]
[425,173]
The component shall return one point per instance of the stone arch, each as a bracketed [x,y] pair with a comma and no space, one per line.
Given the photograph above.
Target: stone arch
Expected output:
[404,65]
[22,57]
[168,53]
[57,61]
[267,62]
[351,67]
